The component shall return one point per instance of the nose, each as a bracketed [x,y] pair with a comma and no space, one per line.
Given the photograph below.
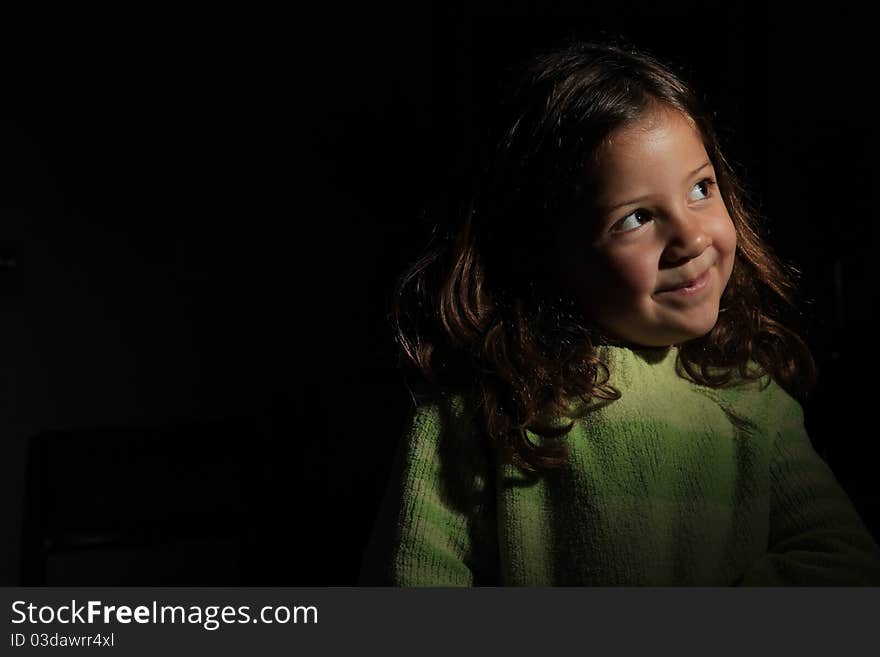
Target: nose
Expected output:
[687,236]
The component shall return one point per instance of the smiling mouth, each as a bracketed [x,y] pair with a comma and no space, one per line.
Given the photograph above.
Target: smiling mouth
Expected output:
[688,287]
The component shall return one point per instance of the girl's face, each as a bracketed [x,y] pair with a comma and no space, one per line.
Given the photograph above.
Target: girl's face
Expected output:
[650,260]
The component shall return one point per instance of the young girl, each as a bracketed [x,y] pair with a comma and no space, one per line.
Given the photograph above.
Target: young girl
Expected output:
[607,375]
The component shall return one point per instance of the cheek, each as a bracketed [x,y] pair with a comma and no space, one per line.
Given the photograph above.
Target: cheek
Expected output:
[627,273]
[724,240]
[632,271]
[725,236]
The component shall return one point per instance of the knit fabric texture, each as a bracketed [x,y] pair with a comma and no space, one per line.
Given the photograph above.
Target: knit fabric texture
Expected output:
[673,484]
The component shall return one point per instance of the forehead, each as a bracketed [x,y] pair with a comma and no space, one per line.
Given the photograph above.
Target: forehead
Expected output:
[664,141]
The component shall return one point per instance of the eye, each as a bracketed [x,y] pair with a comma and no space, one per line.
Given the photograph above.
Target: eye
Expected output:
[631,221]
[703,189]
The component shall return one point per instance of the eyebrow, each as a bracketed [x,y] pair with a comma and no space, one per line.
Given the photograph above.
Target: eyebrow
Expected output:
[642,198]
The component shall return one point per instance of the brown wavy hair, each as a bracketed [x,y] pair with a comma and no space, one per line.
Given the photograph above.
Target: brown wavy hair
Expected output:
[478,313]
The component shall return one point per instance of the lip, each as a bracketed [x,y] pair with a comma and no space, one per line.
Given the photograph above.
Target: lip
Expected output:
[693,287]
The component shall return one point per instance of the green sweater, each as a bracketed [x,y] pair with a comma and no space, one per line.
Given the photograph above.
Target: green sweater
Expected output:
[672,484]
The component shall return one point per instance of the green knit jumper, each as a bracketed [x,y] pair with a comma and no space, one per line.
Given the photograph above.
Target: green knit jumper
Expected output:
[672,484]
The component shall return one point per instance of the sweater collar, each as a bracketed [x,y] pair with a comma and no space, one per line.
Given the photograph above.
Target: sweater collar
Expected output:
[628,368]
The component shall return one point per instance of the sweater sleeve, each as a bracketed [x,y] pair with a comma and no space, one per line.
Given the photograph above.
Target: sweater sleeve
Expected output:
[816,537]
[436,525]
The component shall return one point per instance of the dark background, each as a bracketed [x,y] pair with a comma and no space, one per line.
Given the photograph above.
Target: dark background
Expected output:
[202,219]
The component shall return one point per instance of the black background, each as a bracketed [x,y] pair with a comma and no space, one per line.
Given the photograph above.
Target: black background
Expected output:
[206,214]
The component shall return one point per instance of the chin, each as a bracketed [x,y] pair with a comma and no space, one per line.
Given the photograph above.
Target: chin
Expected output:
[665,333]
[697,331]
[681,334]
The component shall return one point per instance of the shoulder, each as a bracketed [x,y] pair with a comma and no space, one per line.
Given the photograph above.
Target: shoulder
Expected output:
[439,410]
[444,450]
[441,422]
[762,401]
